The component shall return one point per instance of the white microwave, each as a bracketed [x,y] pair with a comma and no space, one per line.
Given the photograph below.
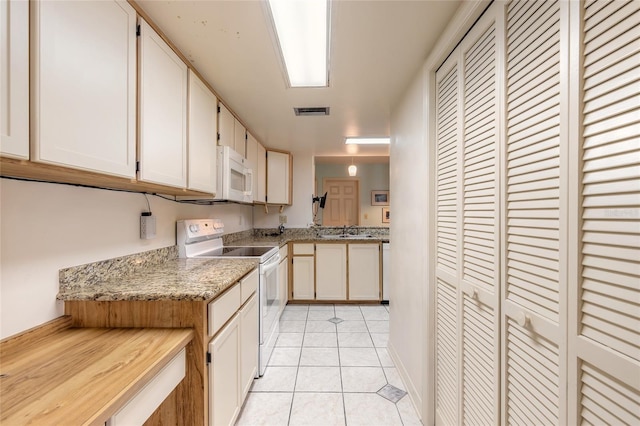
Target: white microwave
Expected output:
[234,178]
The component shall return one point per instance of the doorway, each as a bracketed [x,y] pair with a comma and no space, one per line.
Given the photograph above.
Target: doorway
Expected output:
[343,202]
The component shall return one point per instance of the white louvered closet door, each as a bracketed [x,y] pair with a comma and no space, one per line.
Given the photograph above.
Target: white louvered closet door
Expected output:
[468,244]
[607,321]
[479,295]
[448,136]
[534,294]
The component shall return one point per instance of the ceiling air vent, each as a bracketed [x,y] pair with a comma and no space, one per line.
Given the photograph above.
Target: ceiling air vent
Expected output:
[307,111]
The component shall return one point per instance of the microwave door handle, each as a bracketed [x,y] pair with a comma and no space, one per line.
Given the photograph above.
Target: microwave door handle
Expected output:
[249,174]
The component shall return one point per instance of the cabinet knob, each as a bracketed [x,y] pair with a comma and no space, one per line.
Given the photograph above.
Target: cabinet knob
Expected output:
[523,319]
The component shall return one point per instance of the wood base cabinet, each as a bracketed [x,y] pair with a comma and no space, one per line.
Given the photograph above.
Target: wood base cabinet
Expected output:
[337,272]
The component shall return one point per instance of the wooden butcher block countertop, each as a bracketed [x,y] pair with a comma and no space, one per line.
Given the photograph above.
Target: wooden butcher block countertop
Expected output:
[78,376]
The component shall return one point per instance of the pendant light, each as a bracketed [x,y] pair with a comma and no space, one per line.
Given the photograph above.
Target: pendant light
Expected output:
[352,168]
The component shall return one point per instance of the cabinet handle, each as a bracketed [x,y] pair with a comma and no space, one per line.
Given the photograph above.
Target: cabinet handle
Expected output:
[474,293]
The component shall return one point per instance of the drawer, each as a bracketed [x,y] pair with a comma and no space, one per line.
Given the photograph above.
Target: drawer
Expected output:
[249,285]
[303,248]
[144,403]
[223,308]
[284,251]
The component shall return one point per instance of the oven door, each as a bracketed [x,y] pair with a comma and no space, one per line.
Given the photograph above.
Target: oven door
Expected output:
[269,298]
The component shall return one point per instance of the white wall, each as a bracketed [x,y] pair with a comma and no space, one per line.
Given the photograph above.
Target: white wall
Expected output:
[299,214]
[372,176]
[408,230]
[48,227]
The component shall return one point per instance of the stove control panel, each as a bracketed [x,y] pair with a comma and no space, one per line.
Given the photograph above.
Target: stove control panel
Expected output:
[194,230]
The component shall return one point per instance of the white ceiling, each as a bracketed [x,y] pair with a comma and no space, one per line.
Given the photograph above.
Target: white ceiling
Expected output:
[377,47]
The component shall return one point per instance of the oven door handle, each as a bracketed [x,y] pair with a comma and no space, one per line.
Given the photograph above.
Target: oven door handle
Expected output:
[270,264]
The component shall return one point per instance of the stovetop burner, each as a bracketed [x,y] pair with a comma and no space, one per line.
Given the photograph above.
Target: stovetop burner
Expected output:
[237,252]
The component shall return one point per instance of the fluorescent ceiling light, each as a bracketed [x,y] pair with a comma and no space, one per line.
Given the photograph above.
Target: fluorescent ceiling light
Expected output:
[302,28]
[367,141]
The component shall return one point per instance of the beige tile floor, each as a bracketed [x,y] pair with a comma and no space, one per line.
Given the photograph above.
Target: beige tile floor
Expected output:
[323,373]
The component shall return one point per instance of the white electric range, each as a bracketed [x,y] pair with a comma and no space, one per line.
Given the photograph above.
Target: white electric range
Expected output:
[202,238]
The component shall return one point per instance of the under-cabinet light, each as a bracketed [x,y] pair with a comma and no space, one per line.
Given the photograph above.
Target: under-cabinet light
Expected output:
[367,141]
[302,28]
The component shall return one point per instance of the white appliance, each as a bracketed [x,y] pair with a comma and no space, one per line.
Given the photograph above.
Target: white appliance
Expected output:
[386,261]
[234,178]
[202,238]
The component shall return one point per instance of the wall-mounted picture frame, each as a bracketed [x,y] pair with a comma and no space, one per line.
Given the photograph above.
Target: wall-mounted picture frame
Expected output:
[385,215]
[379,198]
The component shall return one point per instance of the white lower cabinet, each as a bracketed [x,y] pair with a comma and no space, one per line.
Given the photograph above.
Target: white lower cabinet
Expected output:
[364,271]
[224,375]
[331,271]
[283,278]
[233,351]
[302,271]
[248,344]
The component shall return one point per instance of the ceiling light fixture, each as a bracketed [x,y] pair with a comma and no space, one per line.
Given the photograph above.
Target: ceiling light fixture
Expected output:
[352,168]
[302,29]
[367,141]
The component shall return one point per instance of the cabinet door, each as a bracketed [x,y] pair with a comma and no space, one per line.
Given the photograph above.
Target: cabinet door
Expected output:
[261,174]
[84,84]
[248,344]
[303,278]
[534,327]
[283,278]
[605,327]
[203,129]
[226,127]
[224,375]
[331,271]
[163,111]
[14,84]
[240,138]
[252,162]
[278,177]
[364,272]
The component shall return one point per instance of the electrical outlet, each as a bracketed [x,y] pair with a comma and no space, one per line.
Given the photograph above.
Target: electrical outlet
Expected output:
[147,226]
[283,218]
[366,216]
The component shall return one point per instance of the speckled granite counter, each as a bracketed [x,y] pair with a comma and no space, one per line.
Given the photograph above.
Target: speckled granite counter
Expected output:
[272,237]
[136,277]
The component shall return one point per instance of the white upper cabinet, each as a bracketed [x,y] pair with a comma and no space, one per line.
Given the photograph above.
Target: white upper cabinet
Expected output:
[203,131]
[163,111]
[231,132]
[14,80]
[256,154]
[252,160]
[226,127]
[261,174]
[83,59]
[240,137]
[278,177]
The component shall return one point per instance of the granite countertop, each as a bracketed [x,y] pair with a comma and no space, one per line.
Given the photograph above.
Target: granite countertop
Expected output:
[284,239]
[172,279]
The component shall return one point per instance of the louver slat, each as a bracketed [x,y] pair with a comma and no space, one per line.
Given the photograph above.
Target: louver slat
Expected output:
[610,309]
[446,171]
[607,401]
[533,267]
[446,353]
